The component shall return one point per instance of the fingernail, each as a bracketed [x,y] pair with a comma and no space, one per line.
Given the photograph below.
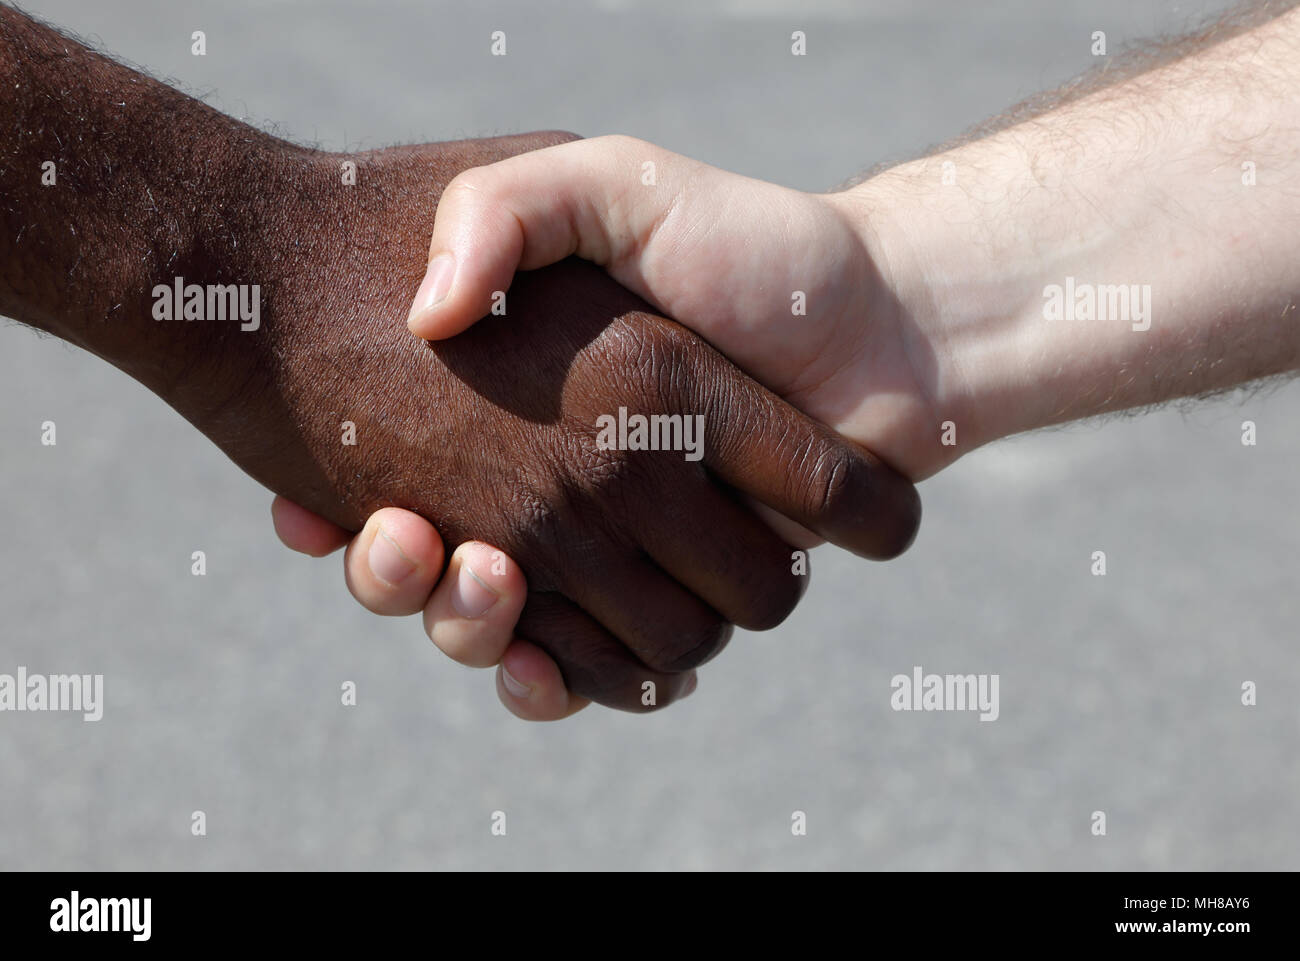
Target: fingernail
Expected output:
[691,684]
[387,562]
[513,686]
[435,286]
[472,597]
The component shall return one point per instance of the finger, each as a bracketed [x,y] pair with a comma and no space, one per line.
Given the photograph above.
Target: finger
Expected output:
[592,662]
[800,468]
[530,685]
[587,198]
[302,531]
[393,564]
[472,614]
[738,566]
[665,625]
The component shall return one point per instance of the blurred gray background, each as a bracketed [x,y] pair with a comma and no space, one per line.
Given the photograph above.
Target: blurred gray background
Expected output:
[1118,693]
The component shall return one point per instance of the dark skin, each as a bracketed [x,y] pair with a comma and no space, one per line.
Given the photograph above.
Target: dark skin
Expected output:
[637,562]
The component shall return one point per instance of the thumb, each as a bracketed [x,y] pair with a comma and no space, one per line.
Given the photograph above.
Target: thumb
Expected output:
[585,198]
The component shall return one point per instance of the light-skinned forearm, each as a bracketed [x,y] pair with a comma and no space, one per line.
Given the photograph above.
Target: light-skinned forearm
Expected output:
[1184,181]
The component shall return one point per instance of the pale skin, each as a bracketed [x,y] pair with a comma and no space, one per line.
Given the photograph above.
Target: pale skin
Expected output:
[925,286]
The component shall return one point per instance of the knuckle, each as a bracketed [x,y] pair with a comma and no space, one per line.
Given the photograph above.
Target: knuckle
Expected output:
[660,361]
[847,492]
[775,601]
[571,529]
[692,646]
[591,669]
[475,184]
[832,484]
[536,527]
[591,663]
[623,143]
[600,472]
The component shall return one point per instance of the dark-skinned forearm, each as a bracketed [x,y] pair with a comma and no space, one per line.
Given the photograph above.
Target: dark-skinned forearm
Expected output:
[111,184]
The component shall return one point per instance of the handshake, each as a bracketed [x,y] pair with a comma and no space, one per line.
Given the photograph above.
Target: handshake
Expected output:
[619,493]
[617,489]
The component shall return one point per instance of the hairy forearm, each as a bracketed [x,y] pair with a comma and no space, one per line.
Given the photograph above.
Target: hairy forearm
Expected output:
[1130,246]
[111,184]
